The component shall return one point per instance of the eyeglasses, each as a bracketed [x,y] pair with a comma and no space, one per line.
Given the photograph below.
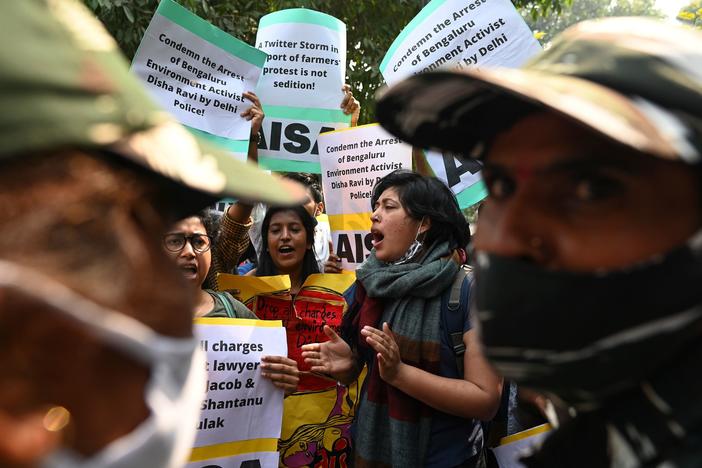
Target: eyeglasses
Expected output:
[176,242]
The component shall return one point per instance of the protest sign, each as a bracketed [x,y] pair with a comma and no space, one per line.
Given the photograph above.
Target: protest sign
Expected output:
[300,86]
[461,175]
[459,33]
[197,71]
[316,419]
[242,412]
[319,302]
[352,161]
[518,445]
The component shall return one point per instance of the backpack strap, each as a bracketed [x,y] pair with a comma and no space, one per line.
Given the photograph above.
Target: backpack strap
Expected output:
[222,297]
[455,308]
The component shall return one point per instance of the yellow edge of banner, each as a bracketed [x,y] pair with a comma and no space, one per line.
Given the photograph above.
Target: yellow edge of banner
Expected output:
[350,222]
[238,322]
[524,434]
[229,449]
[350,128]
[253,283]
[338,283]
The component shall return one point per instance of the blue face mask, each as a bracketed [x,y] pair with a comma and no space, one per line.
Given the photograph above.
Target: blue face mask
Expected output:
[414,249]
[173,393]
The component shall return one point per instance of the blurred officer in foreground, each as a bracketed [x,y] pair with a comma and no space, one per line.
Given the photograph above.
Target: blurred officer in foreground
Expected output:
[589,244]
[98,365]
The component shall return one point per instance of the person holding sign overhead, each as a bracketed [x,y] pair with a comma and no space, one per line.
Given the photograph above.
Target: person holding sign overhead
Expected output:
[189,243]
[418,407]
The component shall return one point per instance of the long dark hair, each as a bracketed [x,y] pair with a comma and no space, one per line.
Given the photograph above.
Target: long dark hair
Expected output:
[428,197]
[266,267]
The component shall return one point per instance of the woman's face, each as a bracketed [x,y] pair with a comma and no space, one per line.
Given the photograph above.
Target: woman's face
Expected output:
[393,229]
[192,264]
[287,241]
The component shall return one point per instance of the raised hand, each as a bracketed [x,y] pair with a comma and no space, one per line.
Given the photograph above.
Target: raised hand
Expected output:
[254,113]
[383,342]
[350,105]
[333,263]
[333,358]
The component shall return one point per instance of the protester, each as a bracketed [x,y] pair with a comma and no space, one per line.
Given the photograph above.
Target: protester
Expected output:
[189,244]
[415,409]
[289,237]
[588,246]
[315,203]
[99,367]
[234,225]
[315,207]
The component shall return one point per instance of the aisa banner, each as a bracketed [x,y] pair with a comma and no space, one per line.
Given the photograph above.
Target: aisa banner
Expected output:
[352,161]
[300,87]
[242,412]
[462,175]
[199,73]
[460,33]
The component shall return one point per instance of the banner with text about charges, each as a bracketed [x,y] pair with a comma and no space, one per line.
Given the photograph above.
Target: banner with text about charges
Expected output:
[459,33]
[242,412]
[352,161]
[300,86]
[199,73]
[317,418]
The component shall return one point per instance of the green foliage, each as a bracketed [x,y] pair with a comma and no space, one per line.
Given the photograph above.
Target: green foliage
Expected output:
[547,26]
[372,25]
[691,14]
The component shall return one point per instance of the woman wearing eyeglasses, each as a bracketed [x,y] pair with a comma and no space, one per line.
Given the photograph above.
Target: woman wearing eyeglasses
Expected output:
[189,243]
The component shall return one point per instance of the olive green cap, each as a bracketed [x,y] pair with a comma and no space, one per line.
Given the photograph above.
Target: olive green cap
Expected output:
[635,81]
[65,84]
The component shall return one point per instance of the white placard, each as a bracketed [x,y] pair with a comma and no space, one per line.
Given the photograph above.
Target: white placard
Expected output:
[458,33]
[352,161]
[240,405]
[306,63]
[198,72]
[301,86]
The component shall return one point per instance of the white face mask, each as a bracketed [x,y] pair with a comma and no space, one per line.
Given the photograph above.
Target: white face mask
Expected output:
[173,394]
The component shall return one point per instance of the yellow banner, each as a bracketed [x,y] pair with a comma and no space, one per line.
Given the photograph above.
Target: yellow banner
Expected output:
[233,448]
[350,222]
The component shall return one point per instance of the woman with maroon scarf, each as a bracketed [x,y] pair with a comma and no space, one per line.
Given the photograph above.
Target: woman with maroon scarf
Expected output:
[415,410]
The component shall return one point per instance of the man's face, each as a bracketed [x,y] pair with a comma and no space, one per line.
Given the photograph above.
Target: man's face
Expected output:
[567,199]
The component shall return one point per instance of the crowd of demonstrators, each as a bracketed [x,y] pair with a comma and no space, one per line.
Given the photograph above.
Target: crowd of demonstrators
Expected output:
[417,407]
[99,365]
[588,246]
[581,296]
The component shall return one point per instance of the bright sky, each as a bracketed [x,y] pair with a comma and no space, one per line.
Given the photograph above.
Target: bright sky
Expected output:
[671,7]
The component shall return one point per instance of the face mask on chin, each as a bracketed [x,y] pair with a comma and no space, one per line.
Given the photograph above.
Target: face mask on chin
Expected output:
[173,394]
[585,337]
[413,250]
